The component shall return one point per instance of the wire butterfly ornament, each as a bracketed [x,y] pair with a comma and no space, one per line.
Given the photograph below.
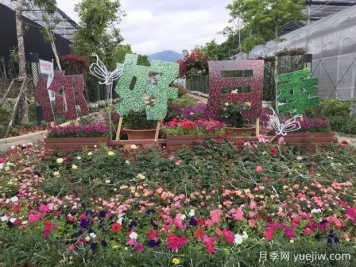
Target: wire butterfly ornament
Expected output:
[282,128]
[100,71]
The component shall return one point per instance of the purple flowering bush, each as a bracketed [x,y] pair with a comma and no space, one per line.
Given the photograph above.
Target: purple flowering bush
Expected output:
[307,124]
[196,112]
[314,125]
[91,130]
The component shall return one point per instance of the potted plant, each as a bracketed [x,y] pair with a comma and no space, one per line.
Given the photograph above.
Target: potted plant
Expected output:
[71,137]
[136,125]
[231,114]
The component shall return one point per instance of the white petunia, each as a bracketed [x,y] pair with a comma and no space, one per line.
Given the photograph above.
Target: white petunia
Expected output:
[133,235]
[4,218]
[14,199]
[238,239]
[315,211]
[92,235]
[191,213]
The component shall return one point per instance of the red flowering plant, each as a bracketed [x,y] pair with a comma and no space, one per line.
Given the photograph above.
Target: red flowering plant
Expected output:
[188,127]
[193,64]
[74,64]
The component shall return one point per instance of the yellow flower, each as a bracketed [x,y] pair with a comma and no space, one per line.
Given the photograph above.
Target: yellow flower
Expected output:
[74,167]
[60,160]
[175,261]
[285,186]
[56,174]
[115,247]
[141,176]
[110,153]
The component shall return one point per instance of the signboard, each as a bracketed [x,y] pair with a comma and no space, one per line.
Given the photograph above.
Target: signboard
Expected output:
[46,67]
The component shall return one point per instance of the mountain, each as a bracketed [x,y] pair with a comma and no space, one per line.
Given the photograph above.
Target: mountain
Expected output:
[166,55]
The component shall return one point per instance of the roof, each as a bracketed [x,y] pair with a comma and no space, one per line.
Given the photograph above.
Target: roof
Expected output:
[334,34]
[65,28]
[319,9]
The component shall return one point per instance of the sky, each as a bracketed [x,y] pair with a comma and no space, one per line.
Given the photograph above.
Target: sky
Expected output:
[155,25]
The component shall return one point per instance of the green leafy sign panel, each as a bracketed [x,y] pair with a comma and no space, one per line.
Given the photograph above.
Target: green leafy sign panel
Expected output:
[296,91]
[142,87]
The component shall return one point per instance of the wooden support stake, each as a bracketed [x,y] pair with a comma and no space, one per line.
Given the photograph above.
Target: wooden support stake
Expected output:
[24,83]
[119,129]
[7,91]
[158,127]
[257,126]
[76,121]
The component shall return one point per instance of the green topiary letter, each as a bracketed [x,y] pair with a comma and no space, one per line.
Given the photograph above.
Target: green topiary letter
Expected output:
[296,91]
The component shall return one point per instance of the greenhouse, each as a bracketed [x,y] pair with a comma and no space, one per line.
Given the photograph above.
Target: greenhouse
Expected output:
[332,42]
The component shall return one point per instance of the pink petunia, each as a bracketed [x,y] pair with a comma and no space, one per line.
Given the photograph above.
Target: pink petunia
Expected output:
[259,169]
[239,214]
[351,214]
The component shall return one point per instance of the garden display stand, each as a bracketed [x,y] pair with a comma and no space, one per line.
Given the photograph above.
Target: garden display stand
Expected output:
[245,131]
[140,142]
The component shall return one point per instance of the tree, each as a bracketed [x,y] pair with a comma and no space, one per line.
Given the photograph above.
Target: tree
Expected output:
[268,17]
[20,39]
[48,6]
[98,32]
[213,50]
[236,13]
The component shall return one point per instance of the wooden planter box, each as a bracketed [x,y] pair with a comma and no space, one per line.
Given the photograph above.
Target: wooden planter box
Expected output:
[317,138]
[175,142]
[70,144]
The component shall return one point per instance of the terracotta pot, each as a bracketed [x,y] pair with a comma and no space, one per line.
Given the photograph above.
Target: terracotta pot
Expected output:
[140,134]
[246,131]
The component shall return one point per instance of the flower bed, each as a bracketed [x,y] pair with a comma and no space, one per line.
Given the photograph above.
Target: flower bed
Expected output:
[71,137]
[213,205]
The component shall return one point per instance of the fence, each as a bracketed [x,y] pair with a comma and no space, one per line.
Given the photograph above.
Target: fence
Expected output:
[198,83]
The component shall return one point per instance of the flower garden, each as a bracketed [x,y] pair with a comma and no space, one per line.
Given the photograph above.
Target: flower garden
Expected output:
[220,204]
[195,195]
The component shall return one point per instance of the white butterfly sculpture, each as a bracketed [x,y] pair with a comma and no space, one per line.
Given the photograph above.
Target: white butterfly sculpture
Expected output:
[100,71]
[282,128]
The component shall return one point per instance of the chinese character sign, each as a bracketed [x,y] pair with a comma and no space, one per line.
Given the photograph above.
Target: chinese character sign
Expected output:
[236,81]
[69,92]
[296,91]
[138,82]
